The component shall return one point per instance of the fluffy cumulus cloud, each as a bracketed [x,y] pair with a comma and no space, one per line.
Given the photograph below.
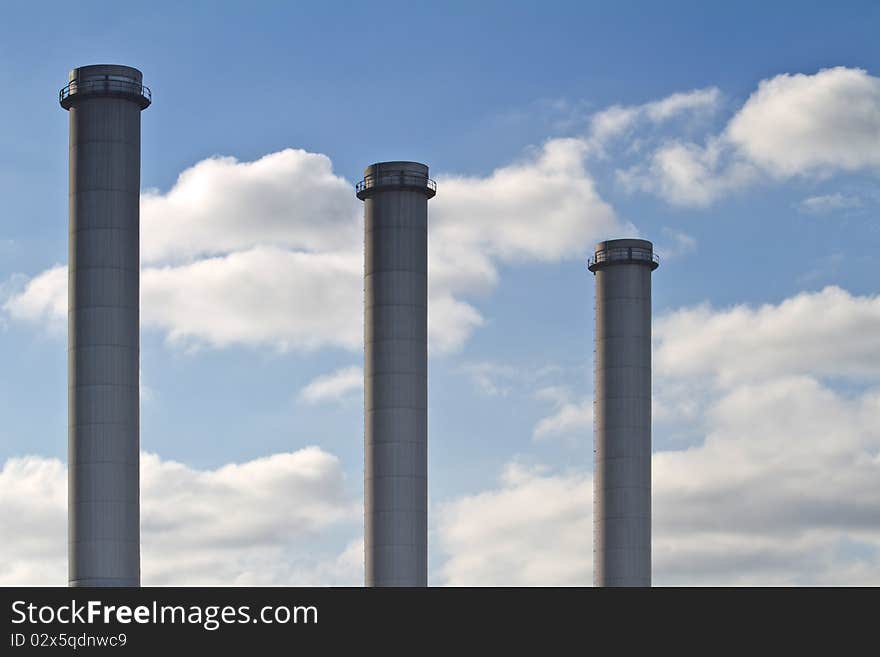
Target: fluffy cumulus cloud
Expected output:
[269,252]
[41,298]
[782,491]
[792,125]
[544,208]
[830,333]
[335,386]
[264,295]
[781,487]
[800,123]
[261,522]
[778,486]
[33,521]
[261,296]
[685,173]
[289,199]
[534,529]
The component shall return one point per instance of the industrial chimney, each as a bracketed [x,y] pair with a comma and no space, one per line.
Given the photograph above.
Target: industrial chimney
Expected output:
[622,413]
[105,103]
[395,196]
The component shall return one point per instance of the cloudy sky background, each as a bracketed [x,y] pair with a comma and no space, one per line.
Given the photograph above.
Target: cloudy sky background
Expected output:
[745,142]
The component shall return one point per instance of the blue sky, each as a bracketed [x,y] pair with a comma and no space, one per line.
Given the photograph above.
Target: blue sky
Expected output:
[754,215]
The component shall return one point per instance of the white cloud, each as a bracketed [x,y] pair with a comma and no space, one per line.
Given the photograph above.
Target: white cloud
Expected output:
[827,333]
[784,481]
[334,386]
[569,416]
[244,298]
[678,403]
[42,298]
[233,525]
[33,520]
[685,173]
[545,208]
[829,203]
[262,296]
[535,529]
[796,124]
[618,120]
[792,125]
[450,322]
[698,100]
[781,489]
[290,199]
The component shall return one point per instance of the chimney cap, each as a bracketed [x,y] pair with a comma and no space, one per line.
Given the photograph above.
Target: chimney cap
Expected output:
[623,251]
[399,175]
[105,80]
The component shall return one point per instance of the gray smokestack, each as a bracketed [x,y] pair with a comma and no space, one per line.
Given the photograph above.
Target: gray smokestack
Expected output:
[395,196]
[622,413]
[105,104]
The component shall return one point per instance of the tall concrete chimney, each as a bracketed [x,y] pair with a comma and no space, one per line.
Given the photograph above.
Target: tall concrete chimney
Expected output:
[622,413]
[105,103]
[395,196]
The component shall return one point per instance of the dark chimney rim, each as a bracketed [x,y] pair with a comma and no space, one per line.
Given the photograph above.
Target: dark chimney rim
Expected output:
[395,175]
[105,80]
[622,252]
